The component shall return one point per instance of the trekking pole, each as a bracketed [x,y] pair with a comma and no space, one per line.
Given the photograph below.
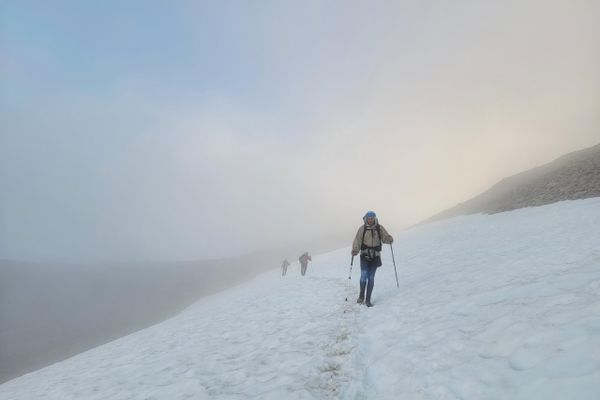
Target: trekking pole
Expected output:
[394,261]
[350,274]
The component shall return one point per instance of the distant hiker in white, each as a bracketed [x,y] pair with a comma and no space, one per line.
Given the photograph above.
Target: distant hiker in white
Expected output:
[284,266]
[304,259]
[368,242]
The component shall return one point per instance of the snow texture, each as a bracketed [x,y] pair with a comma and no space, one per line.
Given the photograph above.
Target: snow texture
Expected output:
[503,306]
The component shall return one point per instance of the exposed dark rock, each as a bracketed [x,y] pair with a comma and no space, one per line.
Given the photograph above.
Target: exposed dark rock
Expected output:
[571,177]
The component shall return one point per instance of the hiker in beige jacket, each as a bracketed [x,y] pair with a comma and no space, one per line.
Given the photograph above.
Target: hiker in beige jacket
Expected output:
[368,242]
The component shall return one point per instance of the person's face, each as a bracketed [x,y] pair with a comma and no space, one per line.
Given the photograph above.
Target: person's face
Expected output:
[370,220]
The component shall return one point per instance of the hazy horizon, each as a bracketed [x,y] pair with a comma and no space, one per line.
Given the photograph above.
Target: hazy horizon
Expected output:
[193,130]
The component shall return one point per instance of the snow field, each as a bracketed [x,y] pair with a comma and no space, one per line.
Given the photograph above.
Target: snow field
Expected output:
[271,338]
[491,307]
[505,306]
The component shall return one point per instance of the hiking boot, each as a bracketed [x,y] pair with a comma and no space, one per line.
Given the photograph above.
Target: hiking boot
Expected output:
[368,302]
[361,295]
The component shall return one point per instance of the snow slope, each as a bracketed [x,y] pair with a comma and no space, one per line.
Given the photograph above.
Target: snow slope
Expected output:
[505,306]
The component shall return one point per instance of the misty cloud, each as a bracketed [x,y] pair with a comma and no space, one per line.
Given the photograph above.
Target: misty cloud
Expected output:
[288,125]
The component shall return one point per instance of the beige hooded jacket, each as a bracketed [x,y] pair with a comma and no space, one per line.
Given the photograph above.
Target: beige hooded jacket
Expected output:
[371,237]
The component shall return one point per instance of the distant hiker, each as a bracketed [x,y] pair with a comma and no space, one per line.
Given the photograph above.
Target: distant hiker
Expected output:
[304,259]
[284,266]
[368,242]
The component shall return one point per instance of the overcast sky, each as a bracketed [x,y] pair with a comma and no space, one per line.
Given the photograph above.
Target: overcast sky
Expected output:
[171,130]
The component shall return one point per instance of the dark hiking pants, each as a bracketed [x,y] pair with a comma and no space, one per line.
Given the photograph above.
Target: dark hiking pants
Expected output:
[367,275]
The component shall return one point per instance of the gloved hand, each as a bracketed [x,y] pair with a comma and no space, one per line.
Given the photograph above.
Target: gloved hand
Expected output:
[391,239]
[354,252]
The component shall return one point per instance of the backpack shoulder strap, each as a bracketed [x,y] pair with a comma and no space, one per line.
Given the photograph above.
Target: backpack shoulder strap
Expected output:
[362,243]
